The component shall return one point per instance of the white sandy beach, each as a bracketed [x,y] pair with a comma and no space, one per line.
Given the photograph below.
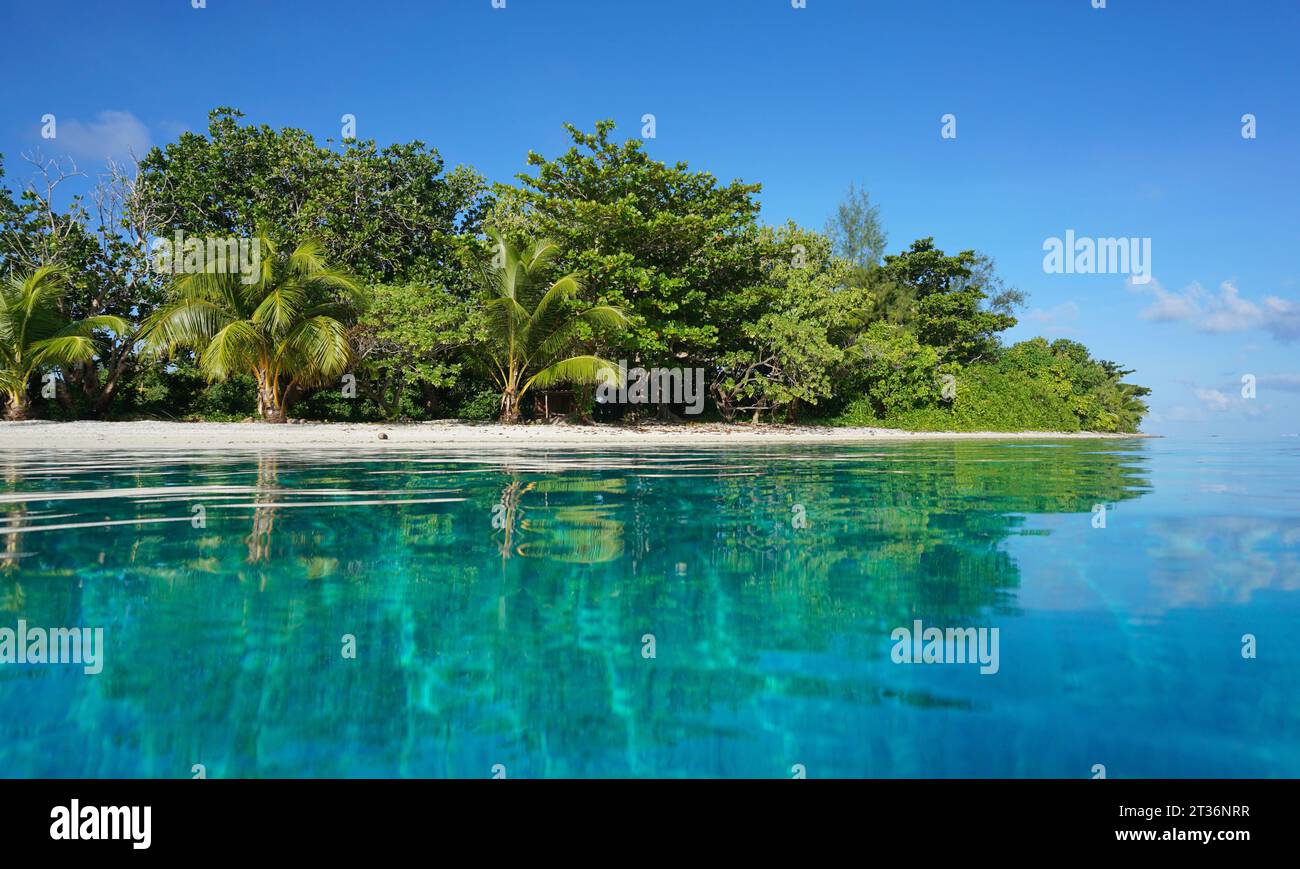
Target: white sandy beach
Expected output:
[253,435]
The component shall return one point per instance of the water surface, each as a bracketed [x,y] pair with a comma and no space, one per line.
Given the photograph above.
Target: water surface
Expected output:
[502,601]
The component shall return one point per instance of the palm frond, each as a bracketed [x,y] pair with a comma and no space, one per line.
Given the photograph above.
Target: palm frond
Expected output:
[62,350]
[234,349]
[576,369]
[506,321]
[551,310]
[184,323]
[562,339]
[90,325]
[308,258]
[281,308]
[319,349]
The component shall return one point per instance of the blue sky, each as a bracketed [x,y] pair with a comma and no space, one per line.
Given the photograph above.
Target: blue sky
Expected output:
[1115,122]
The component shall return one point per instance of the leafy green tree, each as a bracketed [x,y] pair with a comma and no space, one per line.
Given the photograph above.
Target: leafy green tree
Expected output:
[1097,393]
[10,220]
[392,214]
[288,328]
[35,335]
[412,343]
[947,309]
[1001,298]
[784,341]
[663,243]
[855,231]
[1030,386]
[534,328]
[900,373]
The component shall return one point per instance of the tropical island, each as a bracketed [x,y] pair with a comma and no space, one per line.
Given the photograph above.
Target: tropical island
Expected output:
[255,273]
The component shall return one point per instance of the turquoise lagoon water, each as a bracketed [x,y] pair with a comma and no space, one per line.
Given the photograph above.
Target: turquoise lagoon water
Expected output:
[501,601]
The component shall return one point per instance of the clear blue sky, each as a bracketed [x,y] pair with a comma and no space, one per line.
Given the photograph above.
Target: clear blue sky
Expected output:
[1124,121]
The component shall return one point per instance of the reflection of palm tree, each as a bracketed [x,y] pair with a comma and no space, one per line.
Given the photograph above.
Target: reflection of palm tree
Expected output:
[879,545]
[572,533]
[259,540]
[582,534]
[510,497]
[17,517]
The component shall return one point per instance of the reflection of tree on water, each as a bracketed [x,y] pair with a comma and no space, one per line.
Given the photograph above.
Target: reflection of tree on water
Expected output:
[15,518]
[923,528]
[910,532]
[12,598]
[506,516]
[558,523]
[467,658]
[259,539]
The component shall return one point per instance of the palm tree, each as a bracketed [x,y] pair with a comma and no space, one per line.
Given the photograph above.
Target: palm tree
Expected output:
[288,328]
[531,328]
[35,335]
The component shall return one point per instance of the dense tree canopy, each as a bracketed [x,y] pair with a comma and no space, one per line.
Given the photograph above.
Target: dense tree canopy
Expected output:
[661,242]
[785,323]
[389,213]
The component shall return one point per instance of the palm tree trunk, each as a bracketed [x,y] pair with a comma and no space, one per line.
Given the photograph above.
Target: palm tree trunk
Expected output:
[259,539]
[18,406]
[273,411]
[269,406]
[509,407]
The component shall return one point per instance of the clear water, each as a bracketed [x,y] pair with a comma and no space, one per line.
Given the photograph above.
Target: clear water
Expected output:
[514,635]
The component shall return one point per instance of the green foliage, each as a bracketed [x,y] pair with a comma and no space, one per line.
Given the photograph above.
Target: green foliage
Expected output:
[10,219]
[899,373]
[533,329]
[482,406]
[413,343]
[944,297]
[660,242]
[102,262]
[855,232]
[390,214]
[287,327]
[1031,386]
[179,390]
[36,337]
[788,336]
[655,263]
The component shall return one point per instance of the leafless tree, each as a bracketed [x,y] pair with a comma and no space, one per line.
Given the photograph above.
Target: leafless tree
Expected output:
[48,244]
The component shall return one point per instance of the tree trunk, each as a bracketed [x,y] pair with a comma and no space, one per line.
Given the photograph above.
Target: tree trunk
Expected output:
[18,406]
[108,389]
[268,406]
[725,407]
[105,399]
[274,413]
[64,397]
[509,407]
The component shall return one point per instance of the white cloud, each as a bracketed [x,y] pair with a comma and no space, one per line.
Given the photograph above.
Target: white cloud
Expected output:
[1218,401]
[112,134]
[1213,399]
[1229,312]
[1053,319]
[1221,313]
[1170,307]
[1282,318]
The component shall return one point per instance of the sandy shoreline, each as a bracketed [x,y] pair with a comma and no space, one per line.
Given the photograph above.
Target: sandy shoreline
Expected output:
[208,435]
